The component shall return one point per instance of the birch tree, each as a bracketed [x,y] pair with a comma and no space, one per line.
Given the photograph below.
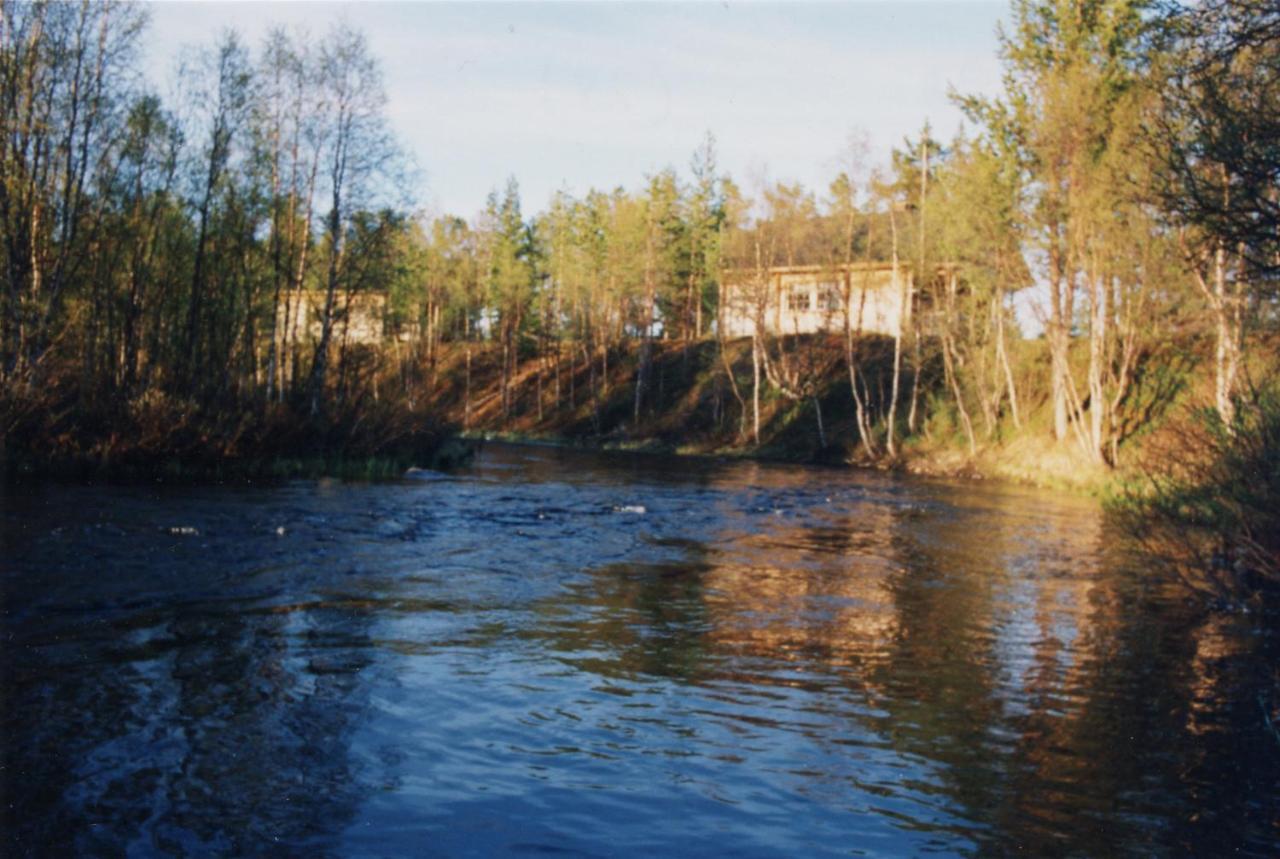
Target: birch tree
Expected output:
[358,157]
[64,93]
[1074,84]
[1218,134]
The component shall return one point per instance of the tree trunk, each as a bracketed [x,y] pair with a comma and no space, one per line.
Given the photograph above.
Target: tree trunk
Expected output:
[1097,358]
[822,433]
[897,343]
[320,365]
[755,389]
[1002,355]
[1058,339]
[466,401]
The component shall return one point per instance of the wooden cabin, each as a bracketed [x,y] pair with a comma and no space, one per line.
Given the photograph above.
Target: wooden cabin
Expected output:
[359,318]
[813,299]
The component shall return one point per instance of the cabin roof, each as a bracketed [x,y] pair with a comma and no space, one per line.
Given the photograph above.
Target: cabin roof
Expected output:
[732,274]
[816,269]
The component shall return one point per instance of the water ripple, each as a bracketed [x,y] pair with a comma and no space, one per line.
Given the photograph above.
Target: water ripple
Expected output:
[516,660]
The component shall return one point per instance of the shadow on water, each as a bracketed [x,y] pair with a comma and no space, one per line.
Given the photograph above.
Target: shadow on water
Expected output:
[609,653]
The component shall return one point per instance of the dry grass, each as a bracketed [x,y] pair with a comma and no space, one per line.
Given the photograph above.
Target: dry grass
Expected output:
[161,437]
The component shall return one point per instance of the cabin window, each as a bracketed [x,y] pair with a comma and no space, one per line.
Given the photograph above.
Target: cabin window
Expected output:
[798,298]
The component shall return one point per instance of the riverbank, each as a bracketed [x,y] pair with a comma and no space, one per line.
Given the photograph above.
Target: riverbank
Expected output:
[158,438]
[1024,462]
[692,407]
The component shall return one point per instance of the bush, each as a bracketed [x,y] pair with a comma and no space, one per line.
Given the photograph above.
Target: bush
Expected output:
[1208,499]
[155,436]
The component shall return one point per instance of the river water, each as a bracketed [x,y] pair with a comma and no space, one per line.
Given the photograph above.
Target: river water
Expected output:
[615,655]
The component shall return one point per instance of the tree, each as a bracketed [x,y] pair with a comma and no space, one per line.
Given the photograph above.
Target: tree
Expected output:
[1218,136]
[844,217]
[145,189]
[915,168]
[661,257]
[509,276]
[783,230]
[1220,130]
[1075,81]
[290,137]
[219,88]
[976,205]
[359,157]
[64,94]
[704,215]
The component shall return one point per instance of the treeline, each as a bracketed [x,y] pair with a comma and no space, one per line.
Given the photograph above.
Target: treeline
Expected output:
[1124,188]
[211,252]
[153,245]
[155,253]
[1126,176]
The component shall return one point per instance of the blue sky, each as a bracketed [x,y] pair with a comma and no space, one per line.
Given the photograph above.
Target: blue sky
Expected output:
[575,95]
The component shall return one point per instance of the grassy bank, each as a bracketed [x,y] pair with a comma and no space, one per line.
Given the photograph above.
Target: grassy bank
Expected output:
[690,406]
[1206,500]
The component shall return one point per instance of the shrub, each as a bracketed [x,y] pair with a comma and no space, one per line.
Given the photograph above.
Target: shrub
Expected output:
[1208,499]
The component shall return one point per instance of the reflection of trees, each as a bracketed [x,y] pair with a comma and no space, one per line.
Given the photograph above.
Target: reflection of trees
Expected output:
[1175,721]
[267,702]
[1034,692]
[735,596]
[893,603]
[1226,765]
[1062,700]
[57,710]
[806,593]
[162,711]
[598,467]
[975,664]
[1018,633]
[628,620]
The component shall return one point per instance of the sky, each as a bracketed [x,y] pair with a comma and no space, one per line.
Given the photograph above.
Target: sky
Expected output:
[579,95]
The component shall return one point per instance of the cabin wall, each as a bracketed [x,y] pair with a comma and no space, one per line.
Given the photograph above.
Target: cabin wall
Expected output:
[362,322]
[811,302]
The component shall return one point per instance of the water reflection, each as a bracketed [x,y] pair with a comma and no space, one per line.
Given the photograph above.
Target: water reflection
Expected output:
[765,661]
[146,709]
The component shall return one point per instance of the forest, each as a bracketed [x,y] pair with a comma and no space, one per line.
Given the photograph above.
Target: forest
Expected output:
[1095,260]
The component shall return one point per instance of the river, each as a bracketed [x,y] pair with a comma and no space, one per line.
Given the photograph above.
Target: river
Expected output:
[603,654]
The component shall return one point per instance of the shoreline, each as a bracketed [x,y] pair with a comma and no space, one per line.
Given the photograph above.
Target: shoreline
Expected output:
[174,443]
[937,463]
